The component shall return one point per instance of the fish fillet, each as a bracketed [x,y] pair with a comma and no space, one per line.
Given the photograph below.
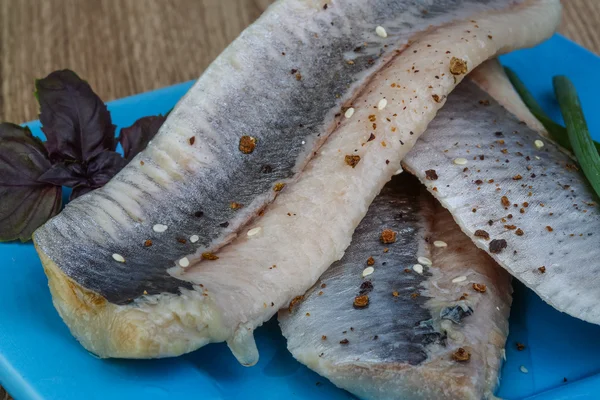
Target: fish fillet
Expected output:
[125,262]
[517,194]
[404,344]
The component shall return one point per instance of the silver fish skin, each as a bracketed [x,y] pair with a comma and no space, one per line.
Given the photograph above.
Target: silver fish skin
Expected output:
[520,189]
[309,224]
[282,84]
[402,345]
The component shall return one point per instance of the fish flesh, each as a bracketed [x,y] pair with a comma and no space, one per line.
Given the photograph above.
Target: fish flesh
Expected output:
[429,322]
[517,194]
[131,269]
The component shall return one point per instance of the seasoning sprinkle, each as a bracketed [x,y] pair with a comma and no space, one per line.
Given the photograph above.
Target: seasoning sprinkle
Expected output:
[440,243]
[461,355]
[424,260]
[459,279]
[368,271]
[497,245]
[519,232]
[538,144]
[344,341]
[194,238]
[395,294]
[381,32]
[349,112]
[479,287]
[148,243]
[370,261]
[295,301]
[235,205]
[184,262]
[278,187]
[418,268]
[505,202]
[254,231]
[460,161]
[520,346]
[247,144]
[542,270]
[352,160]
[431,175]
[382,104]
[482,234]
[159,228]
[388,236]
[118,257]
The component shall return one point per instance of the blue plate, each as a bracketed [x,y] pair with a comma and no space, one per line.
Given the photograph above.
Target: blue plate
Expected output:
[39,359]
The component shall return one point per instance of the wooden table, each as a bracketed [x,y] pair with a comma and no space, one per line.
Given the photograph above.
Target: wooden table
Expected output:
[123,47]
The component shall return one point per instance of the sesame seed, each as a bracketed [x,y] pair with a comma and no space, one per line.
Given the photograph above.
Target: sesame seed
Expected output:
[459,279]
[382,103]
[424,261]
[460,161]
[194,238]
[538,144]
[523,369]
[159,228]
[118,257]
[380,30]
[398,172]
[418,268]
[368,271]
[303,142]
[440,243]
[254,231]
[537,158]
[349,112]
[184,262]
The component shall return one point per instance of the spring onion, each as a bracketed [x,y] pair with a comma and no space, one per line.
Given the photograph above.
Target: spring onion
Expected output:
[577,130]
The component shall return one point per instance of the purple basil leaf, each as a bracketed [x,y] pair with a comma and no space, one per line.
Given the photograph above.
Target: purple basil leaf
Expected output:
[136,137]
[64,174]
[25,203]
[76,122]
[98,171]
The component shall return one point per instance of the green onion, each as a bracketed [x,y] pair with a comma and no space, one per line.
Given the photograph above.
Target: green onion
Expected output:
[556,131]
[577,130]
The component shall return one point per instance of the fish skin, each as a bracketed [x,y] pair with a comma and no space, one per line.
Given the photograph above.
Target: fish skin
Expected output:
[290,103]
[400,347]
[558,223]
[313,217]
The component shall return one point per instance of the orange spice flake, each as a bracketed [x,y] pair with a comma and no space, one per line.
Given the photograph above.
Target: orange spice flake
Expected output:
[295,301]
[352,160]
[370,261]
[235,206]
[361,301]
[549,228]
[209,256]
[395,294]
[458,66]
[278,187]
[479,287]
[461,355]
[519,232]
[247,144]
[542,269]
[505,202]
[388,236]
[148,243]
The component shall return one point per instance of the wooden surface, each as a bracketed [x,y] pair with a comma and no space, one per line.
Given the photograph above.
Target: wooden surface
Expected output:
[123,47]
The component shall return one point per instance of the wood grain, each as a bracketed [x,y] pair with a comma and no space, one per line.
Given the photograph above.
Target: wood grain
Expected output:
[123,47]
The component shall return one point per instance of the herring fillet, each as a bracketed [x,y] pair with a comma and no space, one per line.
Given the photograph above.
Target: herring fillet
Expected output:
[309,224]
[283,83]
[532,198]
[401,345]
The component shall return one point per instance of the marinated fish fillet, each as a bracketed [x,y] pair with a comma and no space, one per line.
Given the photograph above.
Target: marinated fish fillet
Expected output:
[141,290]
[406,342]
[516,194]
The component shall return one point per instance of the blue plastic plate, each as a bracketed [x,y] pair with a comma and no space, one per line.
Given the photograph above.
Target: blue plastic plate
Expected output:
[39,359]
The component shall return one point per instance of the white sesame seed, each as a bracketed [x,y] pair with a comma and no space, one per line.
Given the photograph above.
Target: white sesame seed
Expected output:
[380,30]
[418,268]
[539,144]
[368,271]
[424,261]
[537,158]
[194,238]
[523,369]
[118,257]
[460,161]
[400,170]
[440,243]
[184,262]
[349,112]
[459,279]
[382,103]
[303,142]
[254,231]
[159,228]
